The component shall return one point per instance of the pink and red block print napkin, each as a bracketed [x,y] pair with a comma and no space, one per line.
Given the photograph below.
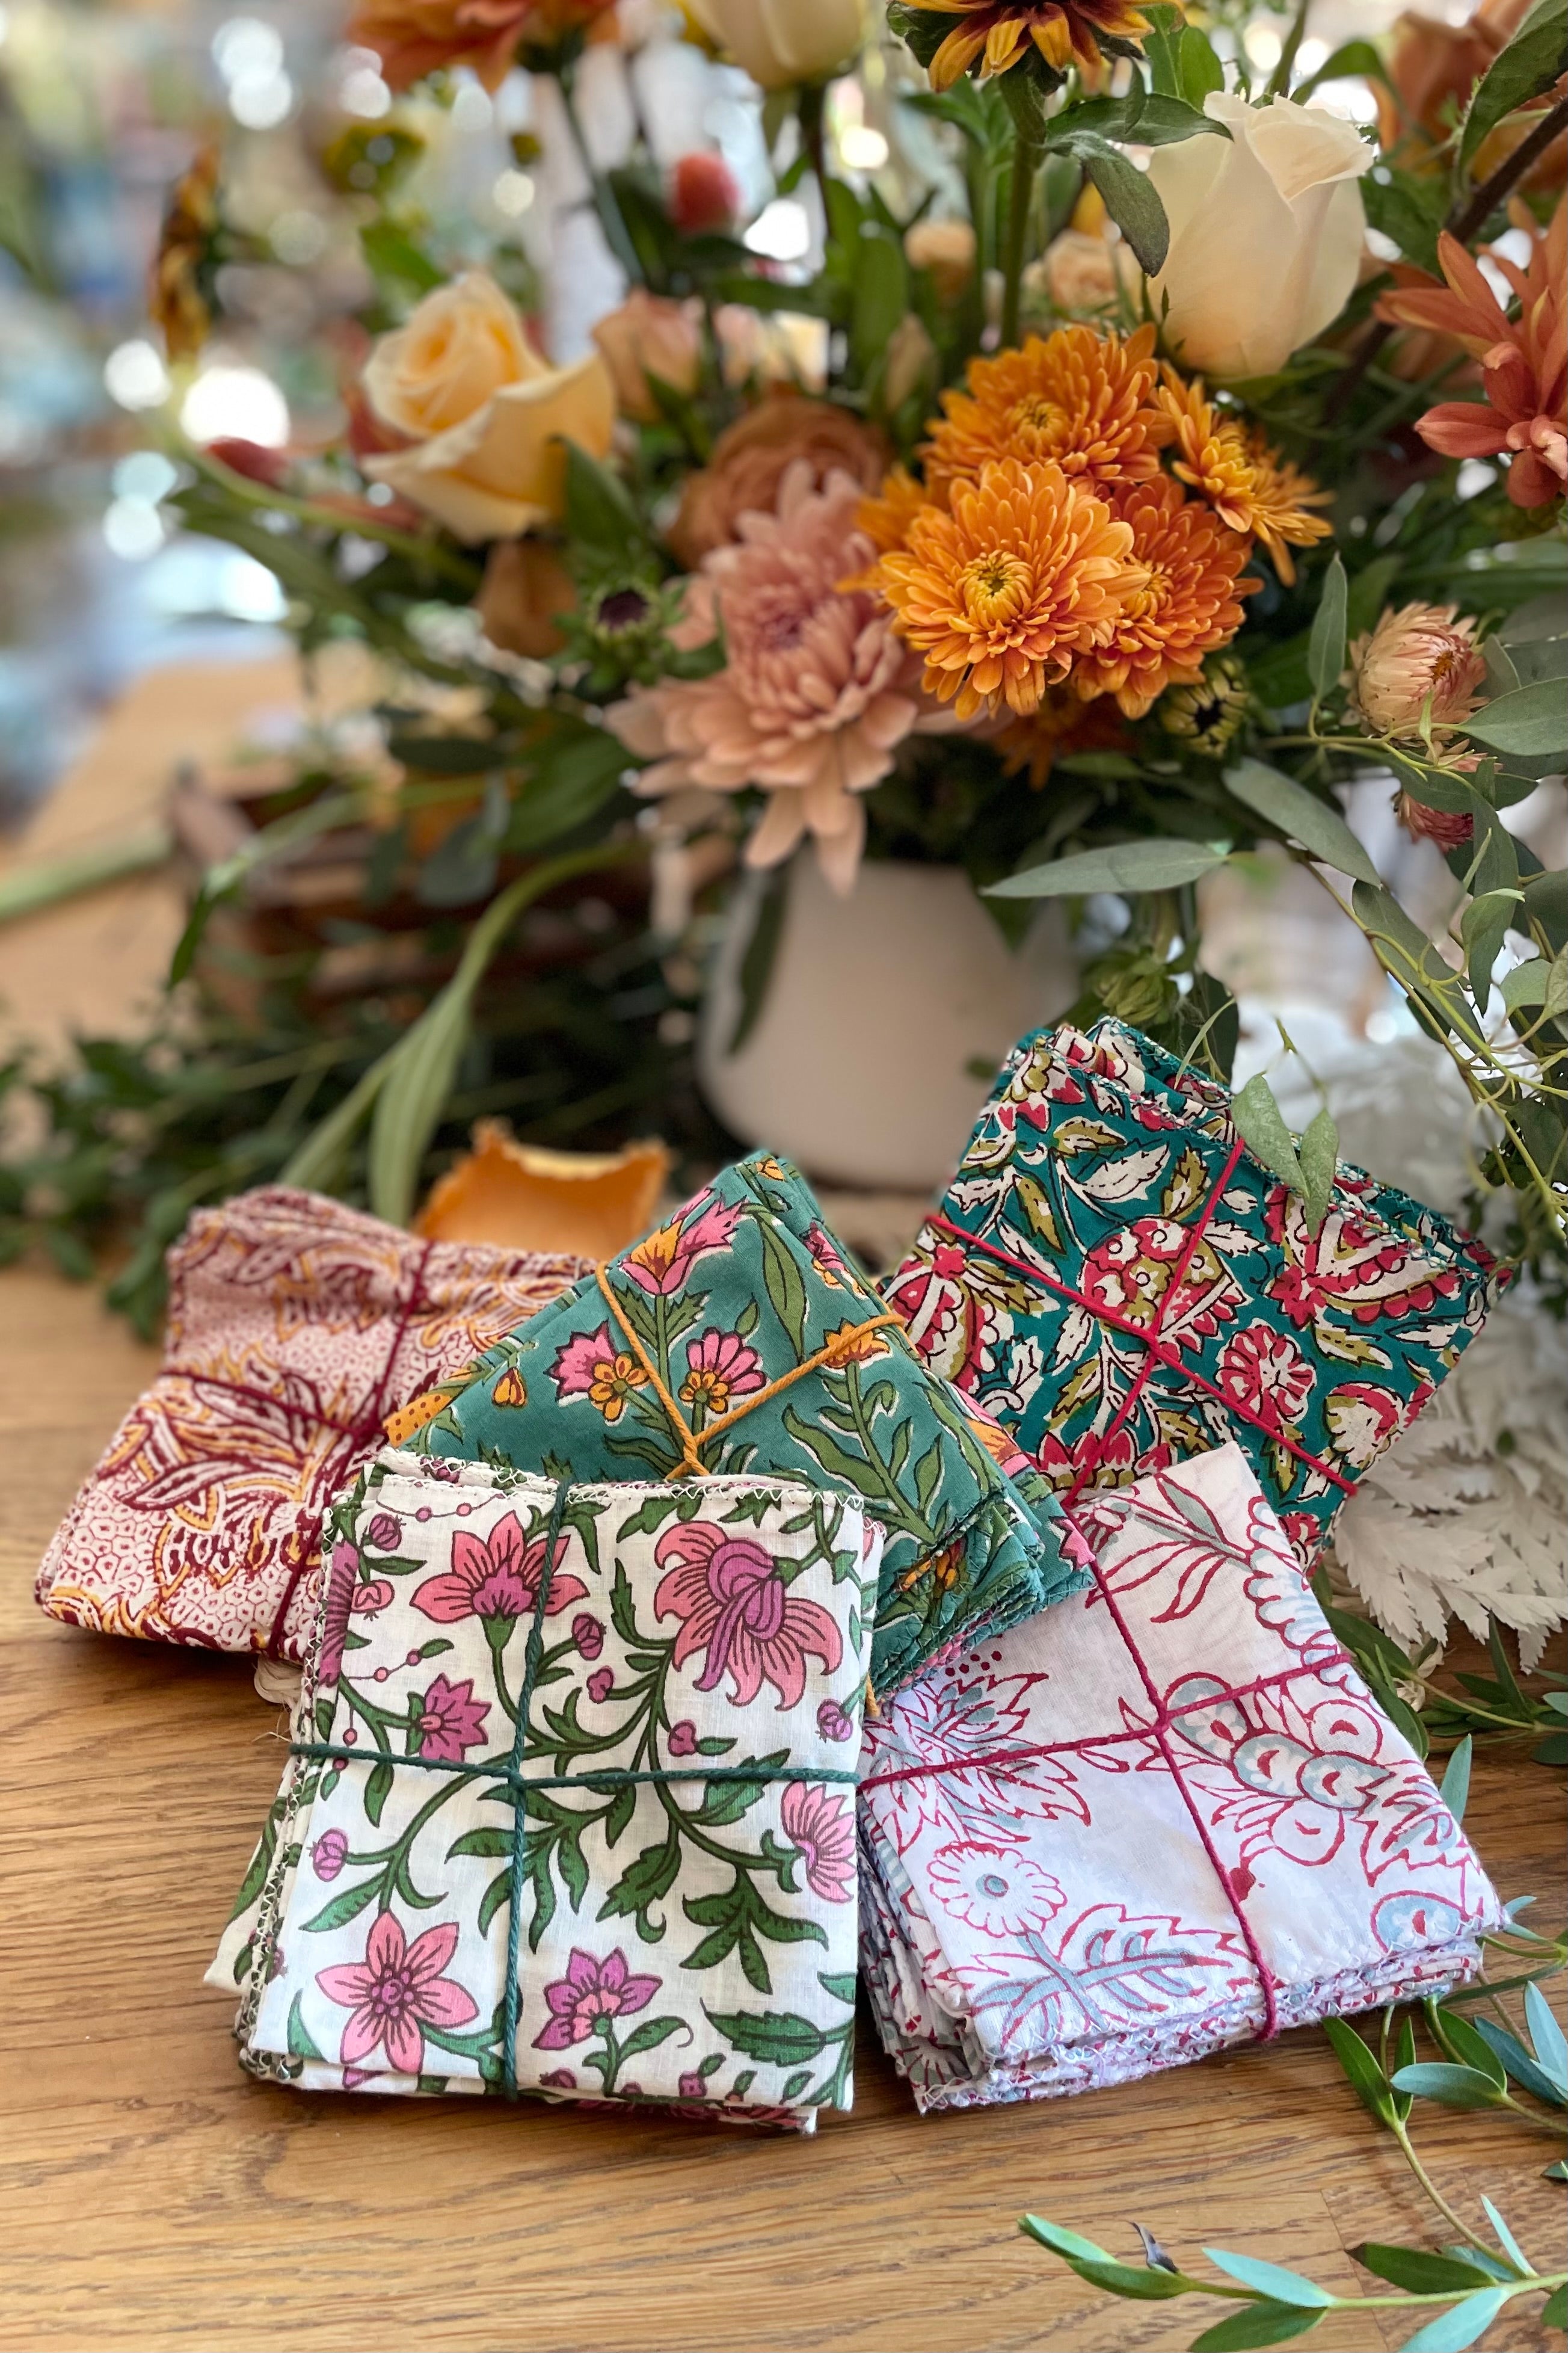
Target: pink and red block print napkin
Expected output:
[1164,1818]
[295,1326]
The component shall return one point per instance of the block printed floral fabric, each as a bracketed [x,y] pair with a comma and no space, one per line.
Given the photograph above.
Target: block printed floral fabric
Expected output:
[294,1326]
[1124,1285]
[682,1927]
[1166,1818]
[740,1337]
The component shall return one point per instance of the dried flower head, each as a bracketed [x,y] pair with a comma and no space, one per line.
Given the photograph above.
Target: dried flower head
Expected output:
[182,267]
[1419,670]
[1188,606]
[1249,486]
[1082,398]
[1024,570]
[1211,713]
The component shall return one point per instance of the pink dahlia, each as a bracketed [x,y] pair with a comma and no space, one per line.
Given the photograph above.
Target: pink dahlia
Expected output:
[816,692]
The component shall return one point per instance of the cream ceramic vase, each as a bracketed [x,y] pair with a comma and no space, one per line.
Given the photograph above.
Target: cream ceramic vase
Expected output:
[864,1064]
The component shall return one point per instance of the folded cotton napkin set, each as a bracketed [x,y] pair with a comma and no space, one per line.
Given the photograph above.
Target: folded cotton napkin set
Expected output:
[684,1635]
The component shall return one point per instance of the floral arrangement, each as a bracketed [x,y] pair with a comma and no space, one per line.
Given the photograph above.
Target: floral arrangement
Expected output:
[1138,457]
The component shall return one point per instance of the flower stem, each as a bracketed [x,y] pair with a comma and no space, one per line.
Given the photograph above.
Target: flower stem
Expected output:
[617,234]
[1027,152]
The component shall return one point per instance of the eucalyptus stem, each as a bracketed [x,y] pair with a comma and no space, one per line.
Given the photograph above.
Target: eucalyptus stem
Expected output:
[1027,149]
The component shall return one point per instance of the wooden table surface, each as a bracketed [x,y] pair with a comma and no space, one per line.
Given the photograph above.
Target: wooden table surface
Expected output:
[154,2196]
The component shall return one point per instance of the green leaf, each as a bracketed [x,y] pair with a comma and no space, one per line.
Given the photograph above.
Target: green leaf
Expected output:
[491,1842]
[1063,2241]
[1320,1158]
[1546,2036]
[377,1790]
[1129,865]
[1367,2079]
[1483,927]
[1413,2268]
[1456,1787]
[1453,2331]
[344,1907]
[1467,2048]
[1270,2279]
[1452,2087]
[1555,2311]
[1300,815]
[778,2038]
[1260,1124]
[1518,2064]
[1326,645]
[1351,59]
[881,295]
[1532,723]
[600,517]
[1159,120]
[1161,48]
[649,2035]
[783,1281]
[1538,984]
[1507,2240]
[300,2043]
[1133,204]
[1257,2324]
[1199,66]
[1527,66]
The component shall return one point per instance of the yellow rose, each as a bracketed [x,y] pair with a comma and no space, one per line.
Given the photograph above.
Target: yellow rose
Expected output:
[651,335]
[485,416]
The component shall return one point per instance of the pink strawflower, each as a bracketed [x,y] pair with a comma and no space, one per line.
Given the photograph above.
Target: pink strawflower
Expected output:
[450,1721]
[1417,657]
[397,1988]
[822,1828]
[816,692]
[496,1577]
[737,1610]
[591,1990]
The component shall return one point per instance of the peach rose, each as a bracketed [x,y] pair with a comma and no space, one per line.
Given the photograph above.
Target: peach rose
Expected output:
[751,458]
[414,37]
[945,248]
[484,415]
[651,335]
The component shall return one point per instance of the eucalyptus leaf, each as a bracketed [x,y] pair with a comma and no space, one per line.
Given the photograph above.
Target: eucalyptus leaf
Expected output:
[1257,2324]
[1451,2086]
[1129,865]
[1483,927]
[1532,723]
[1421,2273]
[1456,1787]
[1301,816]
[1461,2326]
[1260,1124]
[1326,647]
[1546,2036]
[1269,2279]
[1320,1158]
[1367,2079]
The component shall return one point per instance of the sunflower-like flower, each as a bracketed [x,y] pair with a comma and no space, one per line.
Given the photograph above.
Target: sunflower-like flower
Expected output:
[1082,398]
[996,35]
[1188,607]
[1022,572]
[1249,486]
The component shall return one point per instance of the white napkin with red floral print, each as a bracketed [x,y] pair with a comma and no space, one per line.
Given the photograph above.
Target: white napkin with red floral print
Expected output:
[1163,1818]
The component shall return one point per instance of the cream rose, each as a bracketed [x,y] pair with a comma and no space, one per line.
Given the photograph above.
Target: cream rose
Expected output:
[780,42]
[485,416]
[1267,230]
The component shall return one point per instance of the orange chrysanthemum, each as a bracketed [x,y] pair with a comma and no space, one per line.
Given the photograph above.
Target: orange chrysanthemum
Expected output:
[1249,486]
[998,33]
[886,519]
[1187,607]
[1082,398]
[1001,590]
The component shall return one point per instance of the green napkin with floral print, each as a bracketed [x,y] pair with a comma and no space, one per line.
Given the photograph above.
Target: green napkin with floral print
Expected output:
[741,1338]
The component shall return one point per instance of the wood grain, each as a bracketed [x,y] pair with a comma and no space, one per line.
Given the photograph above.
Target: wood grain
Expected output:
[155,2197]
